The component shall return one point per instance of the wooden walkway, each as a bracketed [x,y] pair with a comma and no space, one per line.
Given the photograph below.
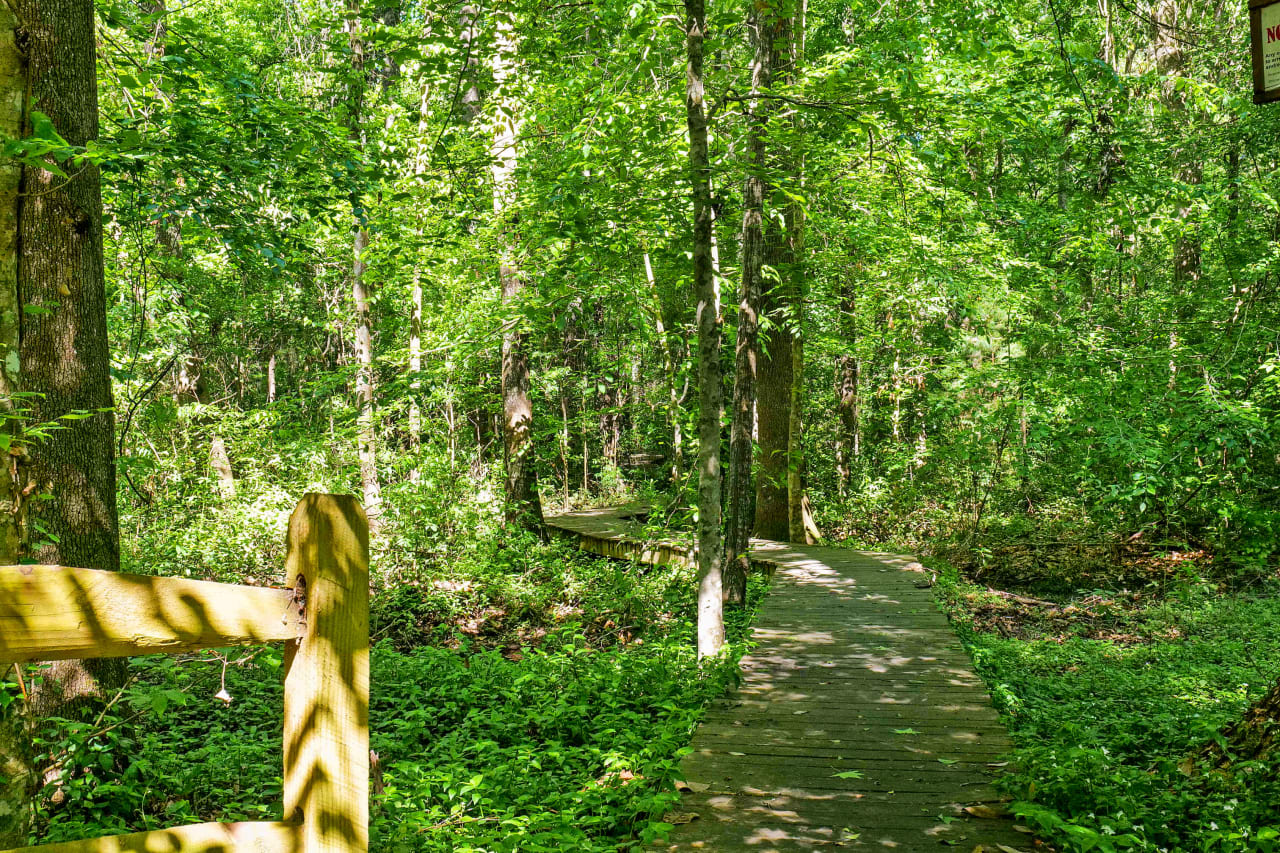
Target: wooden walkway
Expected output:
[859,724]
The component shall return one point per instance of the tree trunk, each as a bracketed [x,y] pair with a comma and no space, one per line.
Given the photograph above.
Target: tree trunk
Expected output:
[13,90]
[847,393]
[773,419]
[271,378]
[220,463]
[669,372]
[710,541]
[361,290]
[800,522]
[773,407]
[17,775]
[63,354]
[765,26]
[421,159]
[523,504]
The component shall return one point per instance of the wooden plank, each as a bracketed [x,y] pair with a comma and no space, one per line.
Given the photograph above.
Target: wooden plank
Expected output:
[326,685]
[251,837]
[58,613]
[858,756]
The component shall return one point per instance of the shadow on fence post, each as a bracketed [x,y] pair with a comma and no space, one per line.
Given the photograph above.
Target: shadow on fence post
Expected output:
[326,686]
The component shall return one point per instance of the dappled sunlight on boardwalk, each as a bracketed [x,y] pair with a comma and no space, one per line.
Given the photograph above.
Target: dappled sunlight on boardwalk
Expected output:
[859,723]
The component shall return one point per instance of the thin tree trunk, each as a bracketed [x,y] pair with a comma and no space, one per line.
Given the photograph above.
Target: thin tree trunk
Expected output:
[271,378]
[669,372]
[710,534]
[566,438]
[415,377]
[361,289]
[847,393]
[800,522]
[421,159]
[523,504]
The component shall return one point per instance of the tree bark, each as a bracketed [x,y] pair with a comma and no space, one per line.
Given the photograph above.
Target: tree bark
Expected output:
[13,91]
[710,541]
[524,507]
[17,775]
[773,409]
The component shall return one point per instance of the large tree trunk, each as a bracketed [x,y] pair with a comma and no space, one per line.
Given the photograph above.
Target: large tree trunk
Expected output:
[523,504]
[62,354]
[765,26]
[776,376]
[17,777]
[773,407]
[710,541]
[13,91]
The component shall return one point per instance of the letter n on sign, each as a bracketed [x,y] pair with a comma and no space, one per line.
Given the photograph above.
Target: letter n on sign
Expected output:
[1264,34]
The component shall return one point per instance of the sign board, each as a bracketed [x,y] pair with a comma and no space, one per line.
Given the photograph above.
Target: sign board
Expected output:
[1264,31]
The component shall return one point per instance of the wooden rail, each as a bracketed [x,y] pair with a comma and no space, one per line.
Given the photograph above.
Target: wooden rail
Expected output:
[54,612]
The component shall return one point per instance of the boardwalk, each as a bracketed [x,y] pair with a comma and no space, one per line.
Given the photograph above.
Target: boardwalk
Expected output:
[859,723]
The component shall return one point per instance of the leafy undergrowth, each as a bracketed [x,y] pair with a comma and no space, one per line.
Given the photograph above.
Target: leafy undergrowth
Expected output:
[557,726]
[1109,695]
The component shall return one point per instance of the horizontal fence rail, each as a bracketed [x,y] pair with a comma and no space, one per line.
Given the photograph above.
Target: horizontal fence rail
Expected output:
[250,837]
[57,613]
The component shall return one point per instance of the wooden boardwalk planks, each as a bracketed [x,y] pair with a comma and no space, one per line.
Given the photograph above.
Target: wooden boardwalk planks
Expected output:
[859,724]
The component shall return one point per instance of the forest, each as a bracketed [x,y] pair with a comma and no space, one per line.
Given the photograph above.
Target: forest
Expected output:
[982,282]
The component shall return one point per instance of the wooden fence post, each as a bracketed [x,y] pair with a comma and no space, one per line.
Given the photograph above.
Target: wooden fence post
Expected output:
[326,686]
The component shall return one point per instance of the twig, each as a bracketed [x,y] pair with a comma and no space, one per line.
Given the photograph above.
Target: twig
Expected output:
[1066,58]
[17,669]
[1022,599]
[59,187]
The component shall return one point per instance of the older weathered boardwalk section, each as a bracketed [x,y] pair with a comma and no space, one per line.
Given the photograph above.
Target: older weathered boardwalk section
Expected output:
[859,723]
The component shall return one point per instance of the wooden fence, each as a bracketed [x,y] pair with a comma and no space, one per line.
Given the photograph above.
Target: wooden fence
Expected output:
[54,613]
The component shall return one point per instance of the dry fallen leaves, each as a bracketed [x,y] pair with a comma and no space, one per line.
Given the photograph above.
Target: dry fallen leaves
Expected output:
[986,812]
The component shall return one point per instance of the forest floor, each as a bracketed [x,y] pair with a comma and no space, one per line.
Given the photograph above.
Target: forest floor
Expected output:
[530,697]
[1110,695]
[536,699]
